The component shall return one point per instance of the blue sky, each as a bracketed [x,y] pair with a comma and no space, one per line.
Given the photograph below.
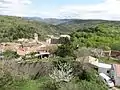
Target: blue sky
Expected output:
[49,5]
[56,3]
[80,9]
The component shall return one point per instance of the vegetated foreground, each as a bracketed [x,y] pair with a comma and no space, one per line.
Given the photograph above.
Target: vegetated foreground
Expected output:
[67,73]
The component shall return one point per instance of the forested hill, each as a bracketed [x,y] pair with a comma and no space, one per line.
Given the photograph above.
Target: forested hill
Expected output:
[12,28]
[69,25]
[53,21]
[76,24]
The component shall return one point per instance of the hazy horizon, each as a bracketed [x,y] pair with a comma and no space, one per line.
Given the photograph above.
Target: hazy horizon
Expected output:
[62,9]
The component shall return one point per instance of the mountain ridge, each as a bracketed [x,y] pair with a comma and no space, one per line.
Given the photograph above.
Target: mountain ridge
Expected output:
[56,21]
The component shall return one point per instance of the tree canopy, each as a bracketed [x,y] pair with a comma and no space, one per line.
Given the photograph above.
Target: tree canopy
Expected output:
[101,36]
[12,28]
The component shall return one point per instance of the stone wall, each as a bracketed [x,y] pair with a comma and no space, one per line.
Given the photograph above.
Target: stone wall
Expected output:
[27,69]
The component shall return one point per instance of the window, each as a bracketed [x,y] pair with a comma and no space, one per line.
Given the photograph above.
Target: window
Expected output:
[108,71]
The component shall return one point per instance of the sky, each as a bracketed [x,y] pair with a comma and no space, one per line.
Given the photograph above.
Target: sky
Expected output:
[75,9]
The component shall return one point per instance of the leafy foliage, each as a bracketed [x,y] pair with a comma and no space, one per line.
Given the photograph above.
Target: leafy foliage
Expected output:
[86,80]
[12,28]
[75,24]
[101,36]
[63,72]
[10,54]
[65,50]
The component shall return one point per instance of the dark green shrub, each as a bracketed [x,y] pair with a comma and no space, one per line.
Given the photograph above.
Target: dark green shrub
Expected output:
[50,86]
[10,54]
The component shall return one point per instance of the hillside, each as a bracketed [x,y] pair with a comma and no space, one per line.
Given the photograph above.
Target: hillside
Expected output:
[12,28]
[76,24]
[53,21]
[69,25]
[106,36]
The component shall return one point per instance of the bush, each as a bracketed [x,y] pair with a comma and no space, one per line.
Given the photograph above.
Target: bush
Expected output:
[69,86]
[65,50]
[85,85]
[82,85]
[10,54]
[50,86]
[115,46]
[5,80]
[63,72]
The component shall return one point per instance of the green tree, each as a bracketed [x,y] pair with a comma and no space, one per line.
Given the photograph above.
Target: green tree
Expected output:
[10,54]
[65,50]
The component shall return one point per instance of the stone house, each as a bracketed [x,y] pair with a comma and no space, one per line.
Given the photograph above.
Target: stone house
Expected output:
[57,40]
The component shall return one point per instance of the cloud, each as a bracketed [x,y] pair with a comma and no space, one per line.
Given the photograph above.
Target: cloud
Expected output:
[108,9]
[14,7]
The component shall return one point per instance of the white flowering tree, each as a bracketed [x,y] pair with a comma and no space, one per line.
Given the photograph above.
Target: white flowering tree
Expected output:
[62,73]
